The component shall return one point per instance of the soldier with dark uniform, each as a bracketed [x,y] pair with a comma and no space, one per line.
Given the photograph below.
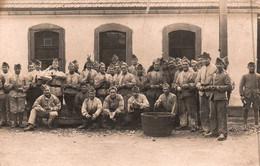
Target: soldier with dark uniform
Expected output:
[102,82]
[172,69]
[2,101]
[187,96]
[113,109]
[125,82]
[221,83]
[80,97]
[154,83]
[249,90]
[141,79]
[71,88]
[204,78]
[165,71]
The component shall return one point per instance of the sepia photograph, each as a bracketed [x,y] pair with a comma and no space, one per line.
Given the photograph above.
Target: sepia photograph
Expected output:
[129,82]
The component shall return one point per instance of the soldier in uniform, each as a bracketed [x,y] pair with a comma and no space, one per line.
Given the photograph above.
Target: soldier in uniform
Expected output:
[76,66]
[179,67]
[80,97]
[187,96]
[167,101]
[221,83]
[102,82]
[91,110]
[172,68]
[7,76]
[200,62]
[194,65]
[88,72]
[136,105]
[165,71]
[154,83]
[2,101]
[141,79]
[125,82]
[204,78]
[96,66]
[17,96]
[132,69]
[115,60]
[114,76]
[55,79]
[71,88]
[47,105]
[249,89]
[113,109]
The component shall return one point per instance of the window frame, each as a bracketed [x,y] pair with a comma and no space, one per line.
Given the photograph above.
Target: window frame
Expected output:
[181,26]
[114,27]
[47,27]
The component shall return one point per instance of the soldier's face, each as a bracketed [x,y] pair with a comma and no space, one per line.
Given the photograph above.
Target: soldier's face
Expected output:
[185,66]
[251,68]
[179,64]
[55,65]
[220,66]
[91,81]
[111,70]
[171,64]
[134,61]
[206,61]
[47,92]
[84,89]
[91,95]
[135,94]
[139,71]
[71,68]
[5,69]
[156,66]
[117,69]
[166,90]
[102,69]
[124,69]
[31,68]
[38,67]
[194,66]
[112,93]
[165,65]
[76,66]
[17,71]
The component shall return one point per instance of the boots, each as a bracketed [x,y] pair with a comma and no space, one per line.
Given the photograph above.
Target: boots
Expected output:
[84,126]
[256,117]
[14,125]
[50,122]
[245,115]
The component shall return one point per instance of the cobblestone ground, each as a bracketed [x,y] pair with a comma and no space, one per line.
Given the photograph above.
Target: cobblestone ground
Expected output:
[68,146]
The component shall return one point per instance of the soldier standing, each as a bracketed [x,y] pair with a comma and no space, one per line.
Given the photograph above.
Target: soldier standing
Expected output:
[187,96]
[141,79]
[154,83]
[126,81]
[165,71]
[249,89]
[102,82]
[204,78]
[2,101]
[88,72]
[221,83]
[71,88]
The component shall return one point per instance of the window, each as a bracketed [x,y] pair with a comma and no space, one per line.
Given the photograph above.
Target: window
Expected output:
[112,42]
[182,43]
[113,39]
[181,40]
[46,42]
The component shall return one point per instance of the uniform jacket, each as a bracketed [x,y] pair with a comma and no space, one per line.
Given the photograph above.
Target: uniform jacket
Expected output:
[91,106]
[249,85]
[114,104]
[43,102]
[73,81]
[141,99]
[20,85]
[168,102]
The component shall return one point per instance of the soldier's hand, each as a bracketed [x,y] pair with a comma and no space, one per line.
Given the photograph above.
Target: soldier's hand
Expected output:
[185,86]
[212,87]
[242,98]
[178,88]
[88,116]
[93,117]
[200,88]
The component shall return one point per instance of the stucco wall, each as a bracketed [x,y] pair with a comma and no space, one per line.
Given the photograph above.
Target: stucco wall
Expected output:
[147,37]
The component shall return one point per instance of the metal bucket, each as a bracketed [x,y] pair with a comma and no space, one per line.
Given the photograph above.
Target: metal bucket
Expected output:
[157,124]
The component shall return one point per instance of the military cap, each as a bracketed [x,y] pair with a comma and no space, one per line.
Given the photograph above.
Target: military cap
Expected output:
[37,62]
[193,61]
[205,55]
[55,60]
[157,61]
[91,90]
[112,87]
[134,56]
[31,63]
[164,60]
[71,64]
[102,64]
[139,66]
[5,64]
[114,57]
[45,87]
[17,66]
[89,60]
[135,89]
[184,59]
[251,63]
[226,60]
[178,59]
[124,64]
[219,60]
[75,61]
[165,85]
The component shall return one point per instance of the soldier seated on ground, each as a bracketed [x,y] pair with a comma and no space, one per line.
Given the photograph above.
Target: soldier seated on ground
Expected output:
[47,105]
[137,104]
[167,101]
[113,109]
[91,110]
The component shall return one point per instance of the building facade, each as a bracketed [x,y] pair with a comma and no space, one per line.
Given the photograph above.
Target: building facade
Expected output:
[73,29]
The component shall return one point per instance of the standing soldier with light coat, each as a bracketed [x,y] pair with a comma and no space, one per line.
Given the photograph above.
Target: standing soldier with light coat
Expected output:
[187,96]
[88,73]
[204,78]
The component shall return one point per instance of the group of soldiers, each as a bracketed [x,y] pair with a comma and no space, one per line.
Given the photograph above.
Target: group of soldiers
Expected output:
[195,92]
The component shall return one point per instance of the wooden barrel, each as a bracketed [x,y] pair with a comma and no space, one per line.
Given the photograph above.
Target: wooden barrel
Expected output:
[157,124]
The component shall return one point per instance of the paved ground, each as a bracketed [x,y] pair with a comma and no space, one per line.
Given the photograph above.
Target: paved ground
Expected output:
[72,147]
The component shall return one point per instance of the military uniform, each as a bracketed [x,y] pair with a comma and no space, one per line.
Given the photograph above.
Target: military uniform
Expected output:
[79,98]
[102,84]
[71,89]
[166,103]
[2,101]
[187,96]
[204,78]
[218,102]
